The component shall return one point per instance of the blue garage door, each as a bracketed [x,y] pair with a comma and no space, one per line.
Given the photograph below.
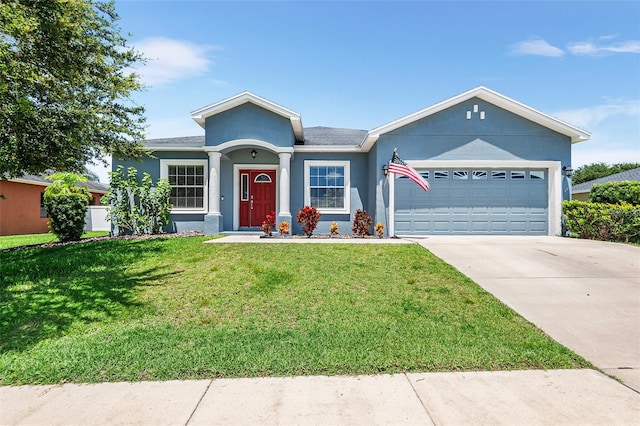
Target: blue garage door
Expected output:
[473,201]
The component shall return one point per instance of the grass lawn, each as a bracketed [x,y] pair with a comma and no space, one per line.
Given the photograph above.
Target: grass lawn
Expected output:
[173,308]
[9,241]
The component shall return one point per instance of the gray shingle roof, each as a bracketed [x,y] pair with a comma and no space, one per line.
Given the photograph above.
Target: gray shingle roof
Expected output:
[633,174]
[312,136]
[333,136]
[184,141]
[40,179]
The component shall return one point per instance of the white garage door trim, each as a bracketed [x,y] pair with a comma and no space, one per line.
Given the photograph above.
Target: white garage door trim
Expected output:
[555,184]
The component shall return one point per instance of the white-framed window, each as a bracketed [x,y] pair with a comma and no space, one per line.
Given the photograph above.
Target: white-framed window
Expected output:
[327,185]
[188,181]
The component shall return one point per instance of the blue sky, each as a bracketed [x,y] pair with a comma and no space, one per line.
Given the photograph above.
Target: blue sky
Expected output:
[362,64]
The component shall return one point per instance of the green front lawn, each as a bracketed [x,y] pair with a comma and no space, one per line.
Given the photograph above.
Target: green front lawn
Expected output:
[10,241]
[173,308]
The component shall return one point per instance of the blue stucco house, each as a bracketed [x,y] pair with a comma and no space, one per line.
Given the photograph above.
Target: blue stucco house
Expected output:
[495,166]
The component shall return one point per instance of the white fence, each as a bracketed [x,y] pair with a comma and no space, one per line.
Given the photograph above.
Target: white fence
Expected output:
[96,219]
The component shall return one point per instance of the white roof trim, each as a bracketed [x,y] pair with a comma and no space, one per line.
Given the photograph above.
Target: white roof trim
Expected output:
[327,148]
[248,143]
[174,148]
[201,114]
[576,134]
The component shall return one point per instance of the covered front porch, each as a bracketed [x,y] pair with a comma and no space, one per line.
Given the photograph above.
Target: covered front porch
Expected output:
[247,180]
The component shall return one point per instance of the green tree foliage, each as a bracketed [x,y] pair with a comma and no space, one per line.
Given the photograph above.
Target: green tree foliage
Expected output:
[593,171]
[616,192]
[65,86]
[66,205]
[138,209]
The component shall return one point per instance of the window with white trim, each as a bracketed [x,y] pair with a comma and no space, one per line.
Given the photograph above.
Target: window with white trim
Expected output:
[188,181]
[327,185]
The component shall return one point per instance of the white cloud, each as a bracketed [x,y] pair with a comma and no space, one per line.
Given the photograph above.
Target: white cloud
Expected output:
[536,47]
[170,60]
[594,115]
[615,132]
[600,46]
[592,48]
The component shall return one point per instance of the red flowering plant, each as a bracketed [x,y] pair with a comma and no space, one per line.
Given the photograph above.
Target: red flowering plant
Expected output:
[308,217]
[269,223]
[361,223]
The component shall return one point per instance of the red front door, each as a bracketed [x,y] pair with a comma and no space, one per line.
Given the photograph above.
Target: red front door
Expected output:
[257,196]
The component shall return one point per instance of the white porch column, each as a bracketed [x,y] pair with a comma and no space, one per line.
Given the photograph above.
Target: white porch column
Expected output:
[285,184]
[214,182]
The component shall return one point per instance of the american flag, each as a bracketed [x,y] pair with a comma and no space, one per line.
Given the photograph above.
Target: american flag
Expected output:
[401,168]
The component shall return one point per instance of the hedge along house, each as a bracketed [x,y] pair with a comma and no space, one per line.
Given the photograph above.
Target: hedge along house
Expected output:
[495,167]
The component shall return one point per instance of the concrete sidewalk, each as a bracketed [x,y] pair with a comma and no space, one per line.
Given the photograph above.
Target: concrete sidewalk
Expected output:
[570,397]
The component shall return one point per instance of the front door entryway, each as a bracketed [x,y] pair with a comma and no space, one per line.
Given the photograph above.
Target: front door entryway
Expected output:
[257,196]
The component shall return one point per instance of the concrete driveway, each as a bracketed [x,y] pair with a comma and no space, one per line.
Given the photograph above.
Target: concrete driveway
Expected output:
[584,294]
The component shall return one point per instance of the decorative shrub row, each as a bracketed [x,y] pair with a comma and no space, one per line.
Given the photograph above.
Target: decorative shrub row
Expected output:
[309,216]
[599,221]
[616,192]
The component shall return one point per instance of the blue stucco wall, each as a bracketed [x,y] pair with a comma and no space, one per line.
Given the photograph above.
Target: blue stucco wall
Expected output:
[248,121]
[358,182]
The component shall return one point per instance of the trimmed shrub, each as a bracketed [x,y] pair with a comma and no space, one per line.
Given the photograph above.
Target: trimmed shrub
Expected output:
[66,215]
[308,217]
[616,192]
[66,205]
[606,222]
[361,223]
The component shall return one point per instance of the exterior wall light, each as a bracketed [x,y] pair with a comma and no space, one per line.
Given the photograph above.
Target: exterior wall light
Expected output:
[568,171]
[385,170]
[254,153]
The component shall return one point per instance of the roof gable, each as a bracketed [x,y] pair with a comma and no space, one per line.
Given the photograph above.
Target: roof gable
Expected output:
[201,114]
[576,134]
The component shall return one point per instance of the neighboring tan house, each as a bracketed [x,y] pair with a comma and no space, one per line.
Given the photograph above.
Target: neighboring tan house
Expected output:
[22,210]
[581,191]
[495,166]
